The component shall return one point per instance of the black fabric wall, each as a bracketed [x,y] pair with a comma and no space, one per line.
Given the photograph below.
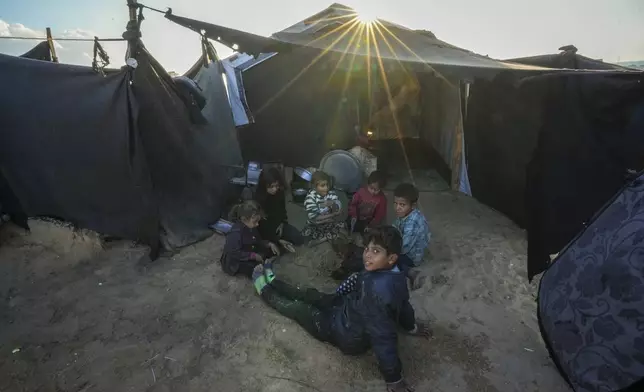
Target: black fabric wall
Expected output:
[593,133]
[70,150]
[549,151]
[120,158]
[501,132]
[187,178]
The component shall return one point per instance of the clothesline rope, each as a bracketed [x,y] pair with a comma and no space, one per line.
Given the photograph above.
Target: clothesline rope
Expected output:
[65,39]
[168,11]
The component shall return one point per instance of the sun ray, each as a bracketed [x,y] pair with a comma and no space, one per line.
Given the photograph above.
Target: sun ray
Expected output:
[383,75]
[332,19]
[347,76]
[369,92]
[393,51]
[356,34]
[349,25]
[303,71]
[438,74]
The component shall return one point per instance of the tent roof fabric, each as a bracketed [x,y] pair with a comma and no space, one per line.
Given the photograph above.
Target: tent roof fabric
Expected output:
[334,30]
[569,60]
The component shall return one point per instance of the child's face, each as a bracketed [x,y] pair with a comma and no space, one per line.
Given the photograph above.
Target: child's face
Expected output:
[322,187]
[251,222]
[273,188]
[402,207]
[374,188]
[375,258]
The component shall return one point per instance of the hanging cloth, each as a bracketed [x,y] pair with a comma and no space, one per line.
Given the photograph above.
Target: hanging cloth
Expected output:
[101,58]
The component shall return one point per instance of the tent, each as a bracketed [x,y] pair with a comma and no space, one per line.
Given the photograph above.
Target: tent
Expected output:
[333,74]
[118,154]
[591,300]
[548,151]
[542,142]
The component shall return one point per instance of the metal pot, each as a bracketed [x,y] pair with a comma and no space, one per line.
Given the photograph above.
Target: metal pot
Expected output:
[300,192]
[222,226]
[303,174]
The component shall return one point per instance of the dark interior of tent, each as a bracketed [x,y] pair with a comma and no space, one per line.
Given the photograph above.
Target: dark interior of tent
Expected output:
[301,115]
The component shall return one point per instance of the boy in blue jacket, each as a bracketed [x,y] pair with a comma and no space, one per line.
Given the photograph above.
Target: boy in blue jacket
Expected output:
[364,312]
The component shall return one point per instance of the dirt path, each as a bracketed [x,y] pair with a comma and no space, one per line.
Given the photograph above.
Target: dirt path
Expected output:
[91,320]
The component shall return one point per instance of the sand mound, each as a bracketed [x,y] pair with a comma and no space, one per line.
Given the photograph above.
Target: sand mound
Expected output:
[60,244]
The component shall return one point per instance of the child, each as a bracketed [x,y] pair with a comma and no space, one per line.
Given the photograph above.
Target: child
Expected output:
[368,207]
[244,248]
[270,196]
[364,312]
[323,208]
[412,226]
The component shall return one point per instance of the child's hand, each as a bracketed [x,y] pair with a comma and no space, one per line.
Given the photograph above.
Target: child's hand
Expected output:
[258,258]
[289,247]
[274,248]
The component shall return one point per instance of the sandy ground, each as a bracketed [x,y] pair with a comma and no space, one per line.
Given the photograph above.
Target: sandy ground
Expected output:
[78,315]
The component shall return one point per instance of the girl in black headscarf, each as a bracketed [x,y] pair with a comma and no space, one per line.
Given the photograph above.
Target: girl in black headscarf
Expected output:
[271,197]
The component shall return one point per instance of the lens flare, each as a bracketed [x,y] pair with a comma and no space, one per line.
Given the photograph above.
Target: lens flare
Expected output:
[366,17]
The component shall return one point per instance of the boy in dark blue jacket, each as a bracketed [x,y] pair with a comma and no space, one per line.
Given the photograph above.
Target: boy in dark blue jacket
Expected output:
[364,312]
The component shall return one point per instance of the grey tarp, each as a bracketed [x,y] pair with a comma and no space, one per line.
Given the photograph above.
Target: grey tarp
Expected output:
[218,112]
[39,52]
[591,300]
[569,60]
[386,40]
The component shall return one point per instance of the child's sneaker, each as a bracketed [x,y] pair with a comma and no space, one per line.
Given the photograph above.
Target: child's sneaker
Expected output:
[259,280]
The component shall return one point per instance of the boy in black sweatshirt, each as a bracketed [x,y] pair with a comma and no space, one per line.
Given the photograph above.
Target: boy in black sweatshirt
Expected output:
[365,311]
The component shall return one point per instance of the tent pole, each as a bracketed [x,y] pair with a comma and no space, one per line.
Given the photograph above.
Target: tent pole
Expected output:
[132,5]
[52,48]
[132,32]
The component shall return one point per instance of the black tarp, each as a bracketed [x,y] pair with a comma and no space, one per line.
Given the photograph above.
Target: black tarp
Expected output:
[501,132]
[592,134]
[550,150]
[117,154]
[39,52]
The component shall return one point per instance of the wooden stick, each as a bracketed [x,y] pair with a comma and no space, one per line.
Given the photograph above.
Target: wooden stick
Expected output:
[52,48]
[296,381]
